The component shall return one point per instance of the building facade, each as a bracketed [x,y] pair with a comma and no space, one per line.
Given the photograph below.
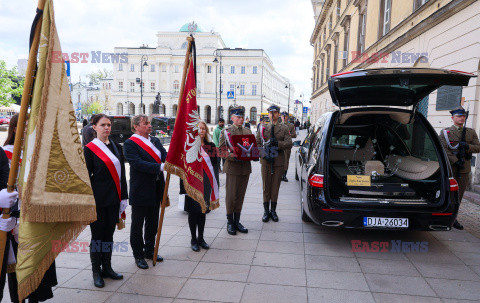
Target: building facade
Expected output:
[357,34]
[248,73]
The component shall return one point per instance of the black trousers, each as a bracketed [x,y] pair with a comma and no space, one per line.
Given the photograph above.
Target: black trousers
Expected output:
[103,229]
[143,244]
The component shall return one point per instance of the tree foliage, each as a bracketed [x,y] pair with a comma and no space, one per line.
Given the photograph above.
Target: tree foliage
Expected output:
[94,77]
[11,84]
[95,107]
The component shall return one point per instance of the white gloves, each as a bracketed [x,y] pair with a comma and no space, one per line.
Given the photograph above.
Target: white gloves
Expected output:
[161,166]
[7,200]
[7,224]
[123,206]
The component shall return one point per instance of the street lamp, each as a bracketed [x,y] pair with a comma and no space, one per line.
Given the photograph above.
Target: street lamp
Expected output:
[219,54]
[288,106]
[143,62]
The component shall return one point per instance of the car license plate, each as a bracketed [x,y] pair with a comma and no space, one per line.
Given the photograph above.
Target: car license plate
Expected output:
[385,222]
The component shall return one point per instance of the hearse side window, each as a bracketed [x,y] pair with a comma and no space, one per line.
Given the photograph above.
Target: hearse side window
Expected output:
[316,136]
[120,124]
[420,142]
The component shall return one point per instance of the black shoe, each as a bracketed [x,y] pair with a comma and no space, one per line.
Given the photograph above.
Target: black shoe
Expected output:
[266,214]
[230,225]
[97,278]
[273,212]
[141,263]
[107,271]
[284,177]
[150,257]
[195,245]
[203,244]
[457,225]
[238,225]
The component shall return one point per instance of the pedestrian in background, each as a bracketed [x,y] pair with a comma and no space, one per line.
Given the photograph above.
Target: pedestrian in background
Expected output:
[293,134]
[88,133]
[106,168]
[247,123]
[196,217]
[216,138]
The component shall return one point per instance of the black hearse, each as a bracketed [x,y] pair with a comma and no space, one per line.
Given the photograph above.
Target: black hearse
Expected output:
[377,162]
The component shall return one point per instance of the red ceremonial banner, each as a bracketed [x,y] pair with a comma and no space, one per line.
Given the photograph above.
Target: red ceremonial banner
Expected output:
[184,157]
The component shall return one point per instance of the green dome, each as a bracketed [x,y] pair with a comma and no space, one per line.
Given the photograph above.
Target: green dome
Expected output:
[195,27]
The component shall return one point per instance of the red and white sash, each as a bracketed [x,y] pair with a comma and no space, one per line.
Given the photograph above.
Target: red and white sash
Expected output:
[208,168]
[228,139]
[9,152]
[148,146]
[111,161]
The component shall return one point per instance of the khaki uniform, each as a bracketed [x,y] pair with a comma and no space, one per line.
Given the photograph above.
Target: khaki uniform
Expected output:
[238,172]
[271,182]
[288,152]
[454,136]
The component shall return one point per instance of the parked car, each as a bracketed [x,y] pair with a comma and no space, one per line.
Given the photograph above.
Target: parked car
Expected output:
[4,120]
[164,124]
[377,162]
[121,128]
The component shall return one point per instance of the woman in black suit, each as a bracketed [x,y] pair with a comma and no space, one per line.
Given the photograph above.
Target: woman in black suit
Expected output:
[106,168]
[196,218]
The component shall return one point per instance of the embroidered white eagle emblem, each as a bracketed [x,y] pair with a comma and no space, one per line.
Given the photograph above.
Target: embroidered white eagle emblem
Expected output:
[192,143]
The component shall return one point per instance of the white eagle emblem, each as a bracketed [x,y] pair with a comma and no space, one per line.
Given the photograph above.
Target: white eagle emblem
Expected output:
[192,143]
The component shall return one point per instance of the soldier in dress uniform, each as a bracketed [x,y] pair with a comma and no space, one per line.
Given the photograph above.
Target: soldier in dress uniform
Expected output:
[276,140]
[293,134]
[451,141]
[237,171]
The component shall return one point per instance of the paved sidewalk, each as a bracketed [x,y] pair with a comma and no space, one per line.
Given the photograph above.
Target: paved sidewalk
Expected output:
[288,261]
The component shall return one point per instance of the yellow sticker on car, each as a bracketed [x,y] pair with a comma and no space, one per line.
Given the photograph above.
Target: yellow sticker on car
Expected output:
[357,180]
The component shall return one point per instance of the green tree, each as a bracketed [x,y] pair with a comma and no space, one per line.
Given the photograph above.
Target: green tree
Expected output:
[94,77]
[95,107]
[11,84]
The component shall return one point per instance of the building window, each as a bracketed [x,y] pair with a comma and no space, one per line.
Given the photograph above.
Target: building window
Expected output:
[109,85]
[330,25]
[254,69]
[346,42]
[418,3]
[242,70]
[324,37]
[335,57]
[176,86]
[327,70]
[221,69]
[132,87]
[132,67]
[322,72]
[152,68]
[120,86]
[152,87]
[339,3]
[221,89]
[232,87]
[232,69]
[385,16]
[164,68]
[254,90]
[120,67]
[361,33]
[176,68]
[242,89]
[253,114]
[209,69]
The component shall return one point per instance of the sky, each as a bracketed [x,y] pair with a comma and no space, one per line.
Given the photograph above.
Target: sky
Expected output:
[281,27]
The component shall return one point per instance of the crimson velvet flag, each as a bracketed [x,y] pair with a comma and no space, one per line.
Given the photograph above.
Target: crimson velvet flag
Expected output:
[184,157]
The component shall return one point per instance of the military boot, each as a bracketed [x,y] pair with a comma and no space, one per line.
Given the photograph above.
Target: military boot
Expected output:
[231,225]
[107,271]
[238,225]
[273,213]
[96,258]
[266,213]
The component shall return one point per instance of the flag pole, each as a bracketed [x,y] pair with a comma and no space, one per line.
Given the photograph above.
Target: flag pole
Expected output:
[190,39]
[26,97]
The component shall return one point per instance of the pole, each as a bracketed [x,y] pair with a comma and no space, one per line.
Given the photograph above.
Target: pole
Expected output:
[216,95]
[26,97]
[167,181]
[141,85]
[288,107]
[220,88]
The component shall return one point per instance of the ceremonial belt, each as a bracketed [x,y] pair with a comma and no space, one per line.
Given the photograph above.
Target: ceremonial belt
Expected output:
[228,139]
[262,131]
[445,134]
[208,168]
[111,161]
[147,146]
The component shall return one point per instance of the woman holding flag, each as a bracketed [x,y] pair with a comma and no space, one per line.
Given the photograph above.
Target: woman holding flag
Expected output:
[106,168]
[196,218]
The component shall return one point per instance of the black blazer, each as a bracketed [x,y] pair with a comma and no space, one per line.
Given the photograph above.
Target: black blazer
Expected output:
[103,186]
[146,180]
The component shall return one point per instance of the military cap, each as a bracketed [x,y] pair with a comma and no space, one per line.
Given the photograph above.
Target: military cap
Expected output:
[238,111]
[459,111]
[284,114]
[273,108]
